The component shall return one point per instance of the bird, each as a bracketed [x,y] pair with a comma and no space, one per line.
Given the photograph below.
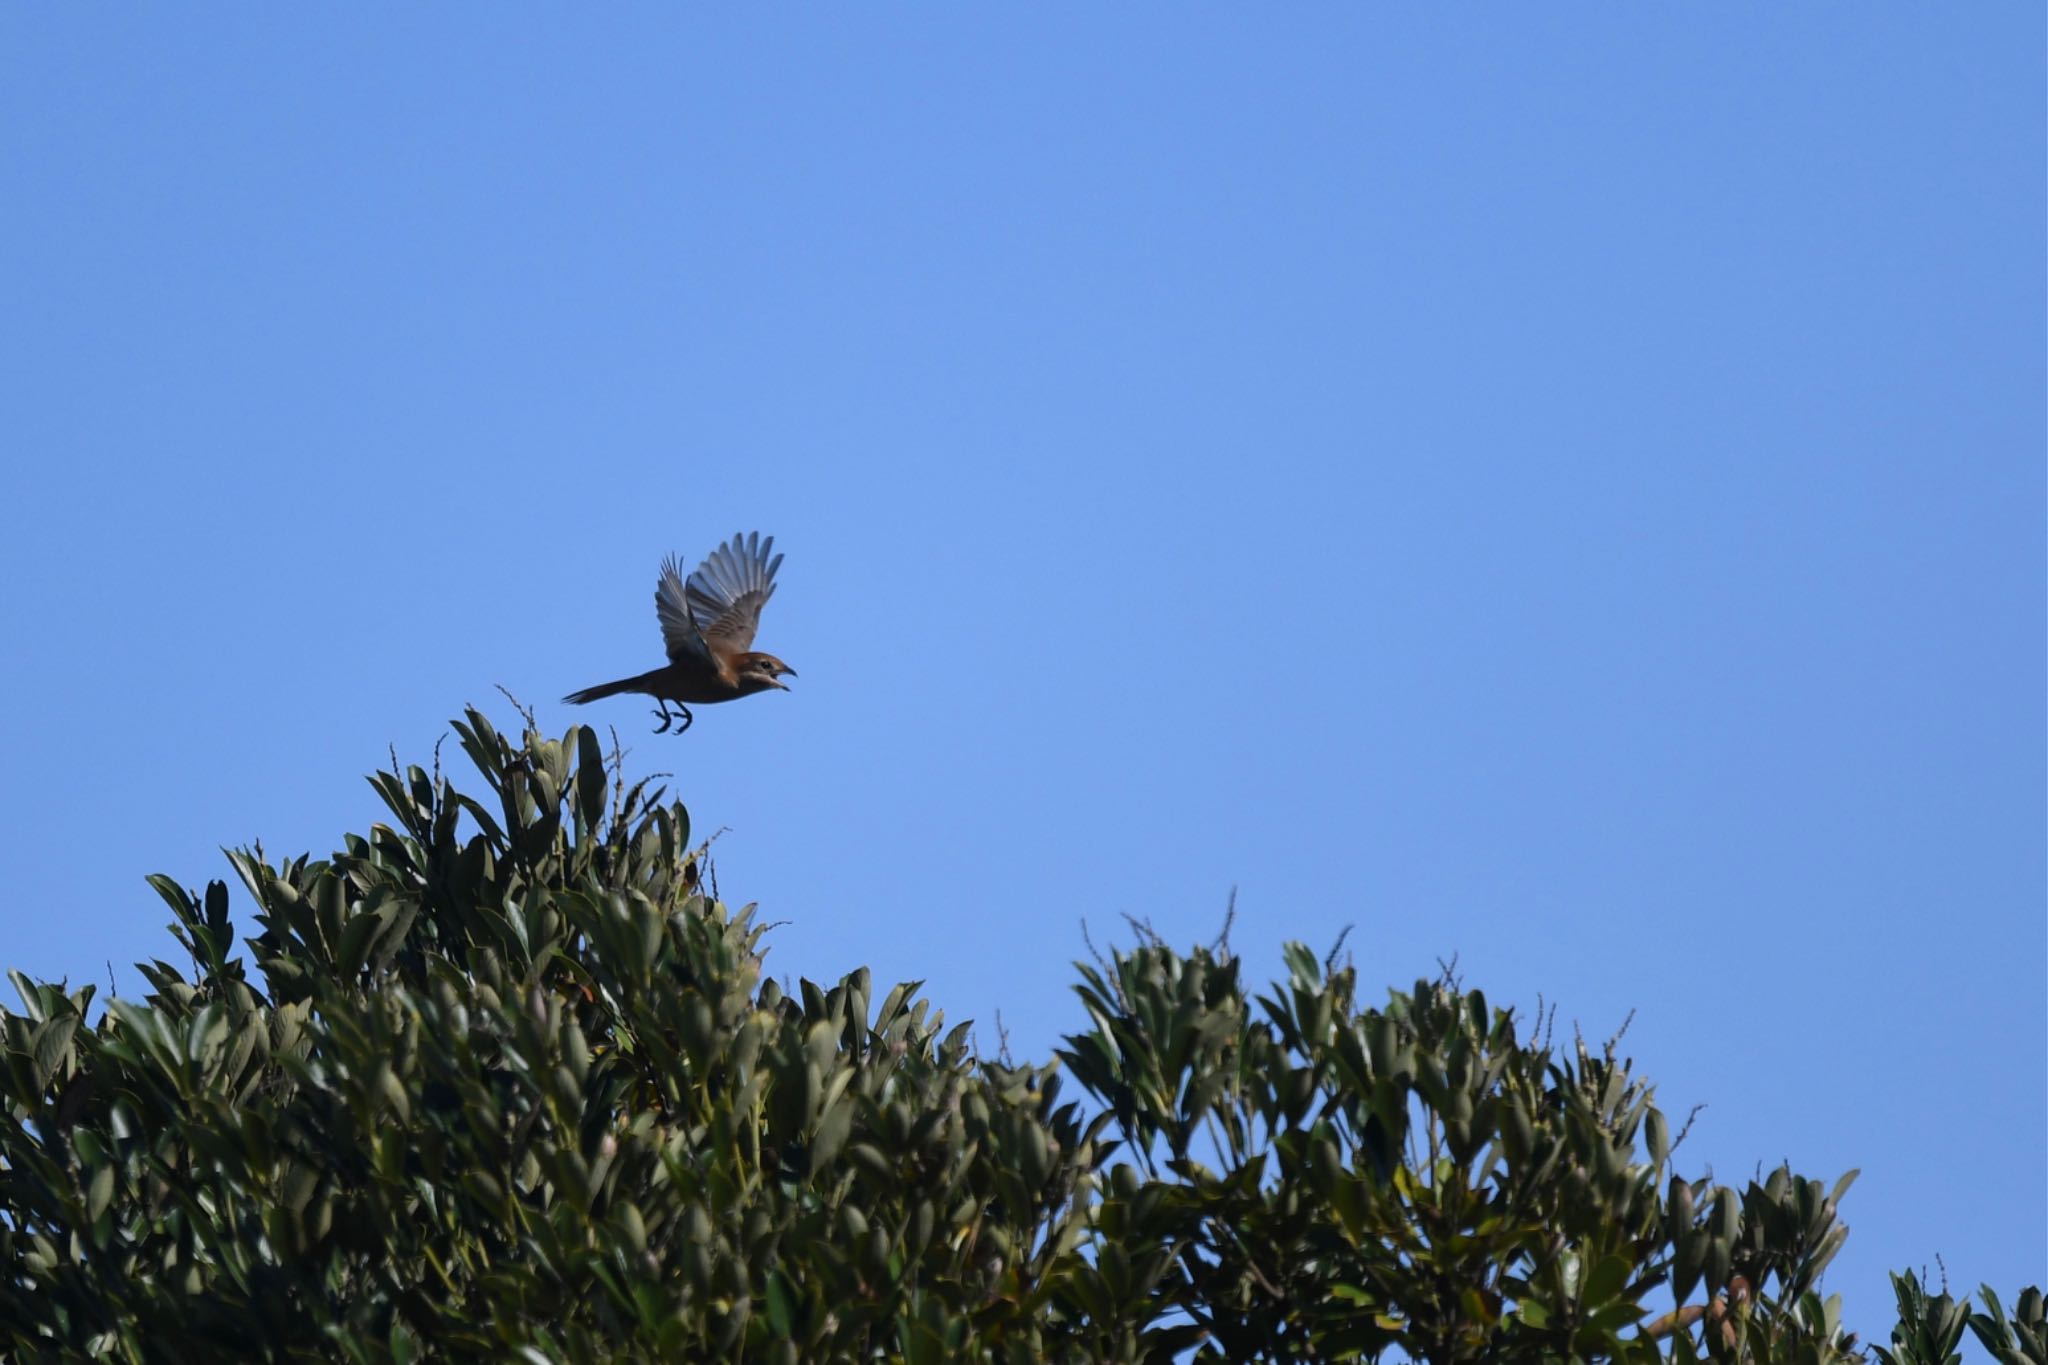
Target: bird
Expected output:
[707,625]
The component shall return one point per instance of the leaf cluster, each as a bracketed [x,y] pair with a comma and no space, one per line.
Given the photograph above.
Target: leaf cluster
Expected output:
[501,1079]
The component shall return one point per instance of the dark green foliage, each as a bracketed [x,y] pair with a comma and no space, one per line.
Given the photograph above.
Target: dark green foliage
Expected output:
[1930,1328]
[501,1081]
[1417,1178]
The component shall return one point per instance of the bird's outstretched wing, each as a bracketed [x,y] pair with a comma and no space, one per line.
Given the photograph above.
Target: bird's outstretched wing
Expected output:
[679,633]
[728,590]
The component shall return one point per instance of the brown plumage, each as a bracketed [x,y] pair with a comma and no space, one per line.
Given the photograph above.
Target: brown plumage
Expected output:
[707,624]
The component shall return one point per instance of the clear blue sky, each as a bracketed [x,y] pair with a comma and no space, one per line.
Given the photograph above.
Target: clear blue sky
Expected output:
[1560,485]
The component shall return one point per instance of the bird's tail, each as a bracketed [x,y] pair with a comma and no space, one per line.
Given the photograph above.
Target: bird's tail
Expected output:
[603,690]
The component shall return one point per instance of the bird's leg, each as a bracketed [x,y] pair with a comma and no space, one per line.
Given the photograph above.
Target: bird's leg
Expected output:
[663,714]
[684,711]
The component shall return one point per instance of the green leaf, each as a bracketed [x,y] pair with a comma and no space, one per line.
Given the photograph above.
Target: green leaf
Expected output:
[100,1193]
[781,1320]
[590,778]
[51,1046]
[830,1136]
[356,937]
[1606,1281]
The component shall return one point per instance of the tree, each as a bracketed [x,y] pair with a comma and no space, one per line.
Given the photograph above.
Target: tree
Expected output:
[503,1080]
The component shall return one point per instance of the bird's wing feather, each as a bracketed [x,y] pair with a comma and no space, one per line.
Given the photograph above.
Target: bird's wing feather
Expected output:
[728,590]
[679,633]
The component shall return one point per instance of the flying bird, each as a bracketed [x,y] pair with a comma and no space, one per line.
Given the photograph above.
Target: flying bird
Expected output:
[707,626]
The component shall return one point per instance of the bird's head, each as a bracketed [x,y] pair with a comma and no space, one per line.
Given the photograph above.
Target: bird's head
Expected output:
[759,672]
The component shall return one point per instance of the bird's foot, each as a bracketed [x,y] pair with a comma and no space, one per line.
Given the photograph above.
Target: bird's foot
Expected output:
[681,713]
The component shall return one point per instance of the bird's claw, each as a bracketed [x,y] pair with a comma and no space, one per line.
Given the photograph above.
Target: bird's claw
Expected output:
[682,713]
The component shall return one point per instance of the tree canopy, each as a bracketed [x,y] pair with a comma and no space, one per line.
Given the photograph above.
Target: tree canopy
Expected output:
[504,1079]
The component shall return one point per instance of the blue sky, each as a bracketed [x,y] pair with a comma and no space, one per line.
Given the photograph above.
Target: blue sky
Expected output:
[1557,485]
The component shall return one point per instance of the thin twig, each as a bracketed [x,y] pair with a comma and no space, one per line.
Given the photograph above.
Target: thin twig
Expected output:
[1330,958]
[525,711]
[1679,1141]
[1093,951]
[709,865]
[1144,930]
[616,761]
[1107,969]
[1620,1033]
[1002,1041]
[1221,947]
